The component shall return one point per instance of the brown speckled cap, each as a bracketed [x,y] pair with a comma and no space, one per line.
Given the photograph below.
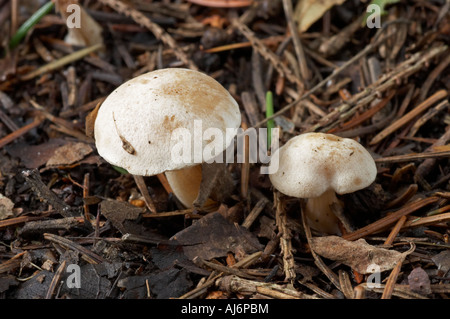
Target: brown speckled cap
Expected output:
[312,163]
[134,125]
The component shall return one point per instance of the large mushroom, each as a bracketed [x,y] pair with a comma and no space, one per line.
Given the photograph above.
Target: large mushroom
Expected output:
[316,166]
[136,124]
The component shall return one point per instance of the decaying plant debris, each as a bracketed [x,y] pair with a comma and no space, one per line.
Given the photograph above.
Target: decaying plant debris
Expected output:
[61,204]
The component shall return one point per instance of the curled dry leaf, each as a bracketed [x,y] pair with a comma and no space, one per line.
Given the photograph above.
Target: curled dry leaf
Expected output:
[359,255]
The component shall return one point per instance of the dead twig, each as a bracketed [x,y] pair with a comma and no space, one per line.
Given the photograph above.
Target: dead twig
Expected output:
[33,178]
[251,217]
[249,287]
[390,219]
[298,47]
[86,254]
[317,259]
[12,263]
[54,65]
[285,238]
[21,131]
[394,232]
[55,280]
[409,116]
[413,157]
[144,191]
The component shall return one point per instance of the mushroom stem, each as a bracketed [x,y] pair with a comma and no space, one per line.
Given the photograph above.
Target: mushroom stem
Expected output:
[185,184]
[319,214]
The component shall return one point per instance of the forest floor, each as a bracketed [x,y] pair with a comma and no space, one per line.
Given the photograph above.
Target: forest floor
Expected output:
[65,211]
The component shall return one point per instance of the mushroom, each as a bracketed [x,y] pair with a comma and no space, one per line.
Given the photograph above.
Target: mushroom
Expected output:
[316,166]
[135,125]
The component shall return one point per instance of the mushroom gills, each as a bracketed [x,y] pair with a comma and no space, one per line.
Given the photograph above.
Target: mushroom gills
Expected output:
[320,215]
[185,184]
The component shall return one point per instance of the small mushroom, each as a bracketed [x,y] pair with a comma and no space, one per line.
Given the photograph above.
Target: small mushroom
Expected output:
[136,123]
[316,166]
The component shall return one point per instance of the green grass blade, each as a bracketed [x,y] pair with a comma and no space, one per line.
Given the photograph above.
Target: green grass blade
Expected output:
[269,113]
[35,18]
[120,169]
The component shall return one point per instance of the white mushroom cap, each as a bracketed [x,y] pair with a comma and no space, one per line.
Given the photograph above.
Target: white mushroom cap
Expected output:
[312,163]
[134,125]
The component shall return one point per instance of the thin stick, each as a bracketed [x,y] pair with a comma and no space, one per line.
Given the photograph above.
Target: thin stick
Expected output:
[223,269]
[412,157]
[427,116]
[143,189]
[390,284]
[12,263]
[409,116]
[240,45]
[21,131]
[389,288]
[247,287]
[285,238]
[317,260]
[188,211]
[245,167]
[21,219]
[394,232]
[85,195]
[304,71]
[202,288]
[77,55]
[55,280]
[88,255]
[255,212]
[8,121]
[390,219]
[429,220]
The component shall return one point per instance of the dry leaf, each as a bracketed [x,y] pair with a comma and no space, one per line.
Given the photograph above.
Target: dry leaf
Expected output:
[358,255]
[213,236]
[34,156]
[90,121]
[6,207]
[442,261]
[122,216]
[309,11]
[69,154]
[419,281]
